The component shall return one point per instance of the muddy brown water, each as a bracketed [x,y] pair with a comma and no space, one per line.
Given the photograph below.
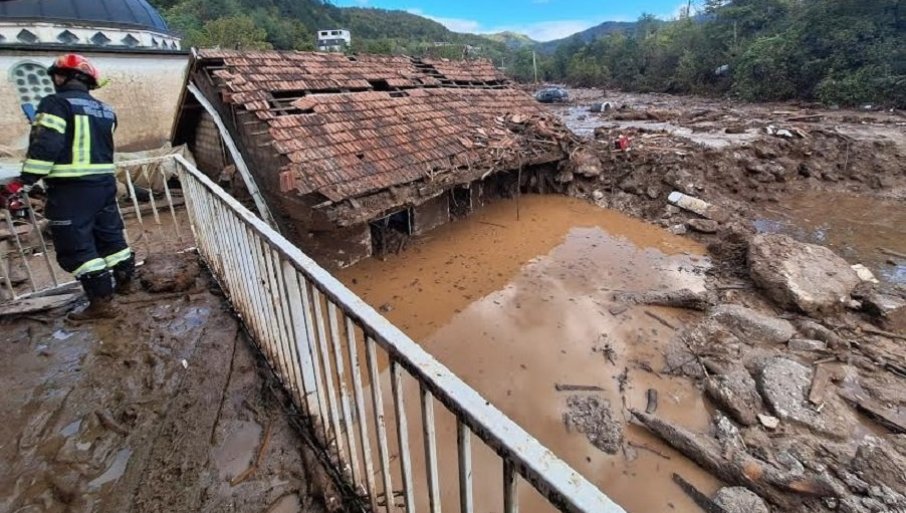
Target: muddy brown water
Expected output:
[854,226]
[517,307]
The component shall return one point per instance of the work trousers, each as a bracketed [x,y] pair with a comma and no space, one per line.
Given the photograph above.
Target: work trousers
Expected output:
[86,225]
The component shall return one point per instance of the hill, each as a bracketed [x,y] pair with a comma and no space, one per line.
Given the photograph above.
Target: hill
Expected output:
[589,35]
[291,25]
[512,40]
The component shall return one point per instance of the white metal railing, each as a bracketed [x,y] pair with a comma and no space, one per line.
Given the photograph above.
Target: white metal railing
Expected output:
[327,346]
[152,214]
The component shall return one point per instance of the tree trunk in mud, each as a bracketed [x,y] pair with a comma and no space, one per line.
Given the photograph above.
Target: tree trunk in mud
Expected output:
[737,468]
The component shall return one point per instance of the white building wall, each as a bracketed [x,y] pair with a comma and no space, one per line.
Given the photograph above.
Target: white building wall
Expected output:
[50,33]
[144,89]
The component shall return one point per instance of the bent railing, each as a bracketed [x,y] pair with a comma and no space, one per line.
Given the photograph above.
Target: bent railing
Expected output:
[335,356]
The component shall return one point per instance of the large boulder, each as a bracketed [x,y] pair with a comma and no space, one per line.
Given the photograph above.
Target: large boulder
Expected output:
[785,385]
[753,327]
[801,276]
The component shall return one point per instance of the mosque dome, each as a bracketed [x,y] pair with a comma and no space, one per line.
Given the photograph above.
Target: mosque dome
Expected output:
[127,14]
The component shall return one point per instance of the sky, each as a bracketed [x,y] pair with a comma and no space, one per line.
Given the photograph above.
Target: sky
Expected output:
[542,20]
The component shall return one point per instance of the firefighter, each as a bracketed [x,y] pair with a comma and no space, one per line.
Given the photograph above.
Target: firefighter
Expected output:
[71,149]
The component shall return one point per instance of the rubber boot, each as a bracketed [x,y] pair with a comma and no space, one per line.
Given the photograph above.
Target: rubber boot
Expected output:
[124,276]
[99,289]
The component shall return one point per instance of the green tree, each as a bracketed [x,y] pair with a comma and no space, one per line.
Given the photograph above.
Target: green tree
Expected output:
[239,32]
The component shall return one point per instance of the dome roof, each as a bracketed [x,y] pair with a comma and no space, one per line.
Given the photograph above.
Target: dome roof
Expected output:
[100,13]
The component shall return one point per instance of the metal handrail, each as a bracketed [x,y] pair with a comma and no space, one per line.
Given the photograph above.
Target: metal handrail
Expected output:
[281,294]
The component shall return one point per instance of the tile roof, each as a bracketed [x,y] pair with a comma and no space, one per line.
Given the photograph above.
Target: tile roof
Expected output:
[348,126]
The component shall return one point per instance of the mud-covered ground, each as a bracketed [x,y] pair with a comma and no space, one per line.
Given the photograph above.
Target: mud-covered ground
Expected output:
[810,417]
[165,409]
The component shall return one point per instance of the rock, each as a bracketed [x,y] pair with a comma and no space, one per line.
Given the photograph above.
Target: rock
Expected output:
[807,345]
[877,462]
[703,225]
[769,422]
[864,273]
[804,276]
[678,229]
[784,384]
[753,327]
[738,499]
[597,195]
[170,272]
[736,393]
[812,330]
[889,308]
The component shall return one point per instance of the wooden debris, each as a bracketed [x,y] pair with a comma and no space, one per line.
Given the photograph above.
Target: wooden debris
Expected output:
[703,501]
[888,418]
[820,379]
[652,401]
[882,333]
[660,319]
[577,388]
[649,449]
[683,298]
[736,467]
[37,304]
[890,252]
[107,421]
[259,458]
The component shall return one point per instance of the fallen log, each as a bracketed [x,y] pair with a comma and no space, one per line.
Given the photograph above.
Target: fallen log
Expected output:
[703,501]
[742,470]
[683,298]
[577,388]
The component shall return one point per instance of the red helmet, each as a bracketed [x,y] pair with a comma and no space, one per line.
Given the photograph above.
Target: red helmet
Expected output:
[73,63]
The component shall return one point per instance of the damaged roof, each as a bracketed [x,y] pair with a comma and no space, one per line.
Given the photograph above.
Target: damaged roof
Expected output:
[351,125]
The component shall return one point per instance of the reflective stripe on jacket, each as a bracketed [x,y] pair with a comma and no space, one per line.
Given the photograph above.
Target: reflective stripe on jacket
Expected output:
[72,136]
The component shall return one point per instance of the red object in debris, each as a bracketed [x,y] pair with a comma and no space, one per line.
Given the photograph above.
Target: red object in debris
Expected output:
[623,143]
[14,187]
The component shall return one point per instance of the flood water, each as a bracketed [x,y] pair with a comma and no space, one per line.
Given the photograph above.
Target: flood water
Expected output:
[517,307]
[856,227]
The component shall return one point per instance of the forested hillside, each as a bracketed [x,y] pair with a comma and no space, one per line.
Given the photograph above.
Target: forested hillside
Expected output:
[845,52]
[291,24]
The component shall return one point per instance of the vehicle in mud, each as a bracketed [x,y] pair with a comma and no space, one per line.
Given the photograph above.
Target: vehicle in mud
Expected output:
[552,95]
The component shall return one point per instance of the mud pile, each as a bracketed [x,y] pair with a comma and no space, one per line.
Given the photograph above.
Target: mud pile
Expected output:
[800,354]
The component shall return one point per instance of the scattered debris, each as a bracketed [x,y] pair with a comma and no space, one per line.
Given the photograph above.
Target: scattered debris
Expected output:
[806,345]
[592,416]
[887,417]
[865,274]
[169,272]
[697,206]
[703,225]
[38,304]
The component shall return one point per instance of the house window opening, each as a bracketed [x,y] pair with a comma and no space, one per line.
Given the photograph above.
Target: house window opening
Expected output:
[389,235]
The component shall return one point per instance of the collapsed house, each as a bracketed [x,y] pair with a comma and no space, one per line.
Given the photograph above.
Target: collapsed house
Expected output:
[350,151]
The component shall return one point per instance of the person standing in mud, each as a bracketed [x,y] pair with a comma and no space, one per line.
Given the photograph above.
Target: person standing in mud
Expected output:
[71,148]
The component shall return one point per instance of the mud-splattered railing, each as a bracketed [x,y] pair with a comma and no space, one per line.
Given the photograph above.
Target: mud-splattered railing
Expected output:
[326,346]
[151,210]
